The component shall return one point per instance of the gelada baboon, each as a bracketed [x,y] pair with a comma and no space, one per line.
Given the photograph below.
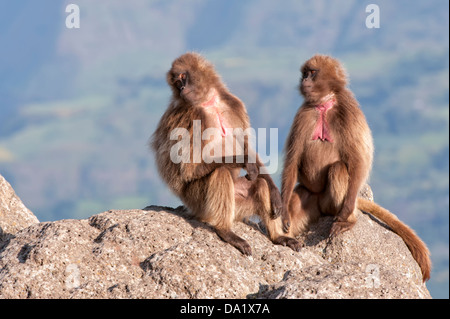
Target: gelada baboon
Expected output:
[203,117]
[329,152]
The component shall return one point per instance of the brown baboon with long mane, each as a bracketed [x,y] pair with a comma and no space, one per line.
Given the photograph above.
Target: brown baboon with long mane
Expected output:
[213,190]
[328,158]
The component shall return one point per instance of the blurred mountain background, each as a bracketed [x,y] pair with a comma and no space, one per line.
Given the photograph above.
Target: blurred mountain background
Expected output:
[78,106]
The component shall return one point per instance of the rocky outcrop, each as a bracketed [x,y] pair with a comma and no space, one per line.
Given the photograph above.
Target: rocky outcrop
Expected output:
[158,252]
[14,215]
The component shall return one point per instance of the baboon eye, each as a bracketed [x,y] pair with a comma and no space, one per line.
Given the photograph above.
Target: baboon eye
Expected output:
[180,81]
[309,74]
[313,73]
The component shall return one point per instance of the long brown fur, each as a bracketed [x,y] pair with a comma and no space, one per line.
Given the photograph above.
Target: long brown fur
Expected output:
[214,192]
[331,173]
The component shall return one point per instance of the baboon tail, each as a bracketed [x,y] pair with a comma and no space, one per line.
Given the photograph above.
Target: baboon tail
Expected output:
[417,247]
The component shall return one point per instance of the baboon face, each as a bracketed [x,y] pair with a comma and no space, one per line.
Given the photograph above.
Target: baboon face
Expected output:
[191,77]
[321,75]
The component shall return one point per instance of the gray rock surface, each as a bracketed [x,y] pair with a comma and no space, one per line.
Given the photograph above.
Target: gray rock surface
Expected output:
[14,215]
[160,253]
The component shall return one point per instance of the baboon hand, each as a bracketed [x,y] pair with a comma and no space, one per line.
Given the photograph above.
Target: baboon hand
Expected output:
[285,220]
[339,227]
[276,203]
[292,243]
[252,171]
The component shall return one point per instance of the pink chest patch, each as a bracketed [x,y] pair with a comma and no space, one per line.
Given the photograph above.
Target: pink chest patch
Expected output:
[322,130]
[220,121]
